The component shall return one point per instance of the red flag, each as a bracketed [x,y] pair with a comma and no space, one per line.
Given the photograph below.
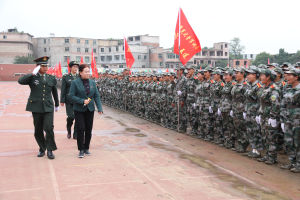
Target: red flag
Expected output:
[128,55]
[59,73]
[68,62]
[188,43]
[81,60]
[92,65]
[268,61]
[167,70]
[95,68]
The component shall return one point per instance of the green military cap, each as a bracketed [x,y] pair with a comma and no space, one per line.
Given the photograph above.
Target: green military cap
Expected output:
[72,63]
[229,71]
[297,64]
[278,70]
[293,70]
[273,64]
[42,60]
[217,71]
[172,74]
[208,69]
[239,69]
[252,69]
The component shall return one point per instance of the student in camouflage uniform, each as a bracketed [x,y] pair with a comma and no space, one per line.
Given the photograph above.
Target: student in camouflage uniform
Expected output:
[251,111]
[226,107]
[172,109]
[180,89]
[269,115]
[291,125]
[238,108]
[191,100]
[199,96]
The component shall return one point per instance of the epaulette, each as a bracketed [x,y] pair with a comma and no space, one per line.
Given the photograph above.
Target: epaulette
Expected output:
[222,84]
[245,83]
[272,86]
[283,83]
[211,81]
[233,83]
[258,85]
[195,77]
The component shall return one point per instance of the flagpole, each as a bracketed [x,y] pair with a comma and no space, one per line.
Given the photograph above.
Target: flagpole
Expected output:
[178,118]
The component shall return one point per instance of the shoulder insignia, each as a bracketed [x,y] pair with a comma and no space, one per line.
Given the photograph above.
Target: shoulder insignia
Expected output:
[211,81]
[233,83]
[222,84]
[283,83]
[195,77]
[258,85]
[245,83]
[272,86]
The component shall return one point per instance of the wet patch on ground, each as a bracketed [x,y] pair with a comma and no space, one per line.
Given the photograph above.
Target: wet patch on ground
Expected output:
[121,123]
[252,191]
[108,117]
[140,135]
[132,130]
[14,153]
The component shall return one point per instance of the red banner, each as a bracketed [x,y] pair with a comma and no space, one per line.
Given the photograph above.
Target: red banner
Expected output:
[128,55]
[186,42]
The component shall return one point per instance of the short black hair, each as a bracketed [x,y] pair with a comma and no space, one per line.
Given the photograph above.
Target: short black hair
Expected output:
[81,67]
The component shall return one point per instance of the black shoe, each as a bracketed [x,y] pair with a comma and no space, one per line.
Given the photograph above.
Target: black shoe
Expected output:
[74,137]
[87,152]
[262,159]
[69,135]
[81,154]
[50,155]
[41,154]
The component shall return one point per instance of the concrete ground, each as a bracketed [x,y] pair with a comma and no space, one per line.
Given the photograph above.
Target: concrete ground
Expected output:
[131,159]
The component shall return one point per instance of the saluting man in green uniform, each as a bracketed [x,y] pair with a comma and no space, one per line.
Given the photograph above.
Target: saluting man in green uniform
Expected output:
[40,103]
[65,99]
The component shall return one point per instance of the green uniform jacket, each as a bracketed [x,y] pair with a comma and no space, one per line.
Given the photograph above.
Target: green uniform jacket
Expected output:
[65,88]
[40,99]
[78,95]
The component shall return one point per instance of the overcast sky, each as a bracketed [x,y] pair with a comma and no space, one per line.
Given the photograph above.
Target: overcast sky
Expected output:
[262,25]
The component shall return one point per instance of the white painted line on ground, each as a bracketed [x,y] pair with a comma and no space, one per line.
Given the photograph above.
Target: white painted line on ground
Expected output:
[21,190]
[54,181]
[108,183]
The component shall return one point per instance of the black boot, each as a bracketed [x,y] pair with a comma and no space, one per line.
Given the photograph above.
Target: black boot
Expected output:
[69,126]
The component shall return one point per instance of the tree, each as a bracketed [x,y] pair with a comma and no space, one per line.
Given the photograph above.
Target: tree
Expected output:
[221,63]
[295,58]
[24,60]
[282,57]
[262,58]
[236,49]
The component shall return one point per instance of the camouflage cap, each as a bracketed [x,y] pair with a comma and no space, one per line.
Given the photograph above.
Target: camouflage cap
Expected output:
[208,69]
[278,70]
[262,66]
[252,69]
[297,64]
[217,71]
[229,71]
[239,69]
[293,70]
[273,64]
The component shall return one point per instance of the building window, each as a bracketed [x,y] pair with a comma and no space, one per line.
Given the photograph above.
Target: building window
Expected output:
[225,53]
[160,55]
[67,49]
[45,41]
[225,45]
[109,49]
[201,61]
[195,62]
[130,38]
[66,58]
[117,48]
[94,50]
[120,66]
[137,38]
[102,58]
[251,55]
[237,63]
[86,42]
[4,36]
[123,48]
[67,40]
[122,57]
[45,49]
[87,59]
[209,62]
[86,50]
[145,57]
[94,42]
[211,53]
[143,66]
[161,64]
[117,57]
[78,50]
[109,58]
[167,65]
[139,57]
[78,41]
[245,56]
[221,46]
[245,62]
[102,49]
[78,58]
